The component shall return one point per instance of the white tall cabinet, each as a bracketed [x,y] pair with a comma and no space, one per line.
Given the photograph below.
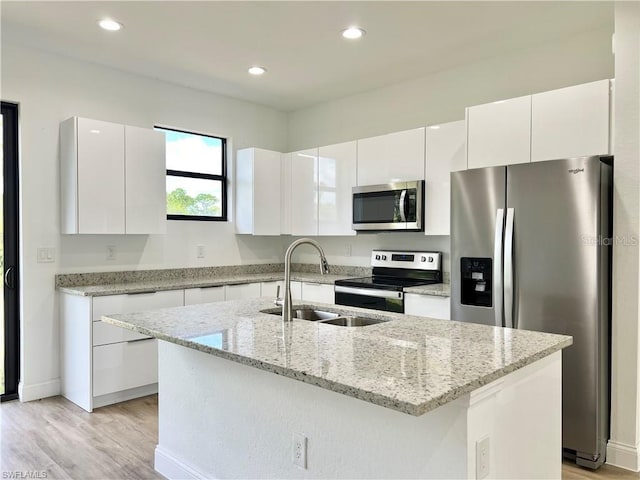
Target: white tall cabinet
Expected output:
[394,157]
[258,191]
[112,178]
[304,192]
[336,177]
[445,153]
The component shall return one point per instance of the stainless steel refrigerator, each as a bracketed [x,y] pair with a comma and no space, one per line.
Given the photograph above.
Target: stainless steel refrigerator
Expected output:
[531,249]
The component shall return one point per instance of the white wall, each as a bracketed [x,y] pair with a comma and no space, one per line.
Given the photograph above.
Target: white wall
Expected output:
[624,446]
[51,88]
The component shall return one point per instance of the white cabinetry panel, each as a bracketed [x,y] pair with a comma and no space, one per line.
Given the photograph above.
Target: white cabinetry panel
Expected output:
[103,334]
[92,176]
[121,366]
[136,302]
[390,158]
[237,292]
[570,122]
[336,178]
[317,292]
[145,181]
[285,193]
[195,296]
[499,133]
[258,192]
[427,306]
[270,289]
[304,192]
[445,153]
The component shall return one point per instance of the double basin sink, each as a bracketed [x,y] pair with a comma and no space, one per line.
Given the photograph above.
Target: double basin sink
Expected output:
[329,318]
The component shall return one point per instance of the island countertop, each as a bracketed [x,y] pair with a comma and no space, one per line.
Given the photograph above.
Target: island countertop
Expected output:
[409,364]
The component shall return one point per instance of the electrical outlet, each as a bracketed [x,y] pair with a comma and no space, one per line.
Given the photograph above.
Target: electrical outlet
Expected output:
[200,251]
[483,447]
[111,252]
[300,450]
[46,254]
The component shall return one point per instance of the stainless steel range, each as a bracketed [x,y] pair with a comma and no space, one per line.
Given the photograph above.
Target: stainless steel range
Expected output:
[393,271]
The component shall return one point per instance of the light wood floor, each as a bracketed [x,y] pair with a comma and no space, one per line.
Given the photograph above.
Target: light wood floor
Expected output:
[116,442]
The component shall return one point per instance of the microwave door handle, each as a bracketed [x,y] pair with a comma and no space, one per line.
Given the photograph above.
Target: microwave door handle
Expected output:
[403,206]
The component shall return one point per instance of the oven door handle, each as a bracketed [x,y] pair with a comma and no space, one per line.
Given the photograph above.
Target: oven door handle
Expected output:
[370,292]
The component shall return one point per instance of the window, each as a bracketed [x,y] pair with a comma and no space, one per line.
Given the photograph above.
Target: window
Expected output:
[196,176]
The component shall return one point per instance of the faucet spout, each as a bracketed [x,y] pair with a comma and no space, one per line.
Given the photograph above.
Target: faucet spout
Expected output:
[324,269]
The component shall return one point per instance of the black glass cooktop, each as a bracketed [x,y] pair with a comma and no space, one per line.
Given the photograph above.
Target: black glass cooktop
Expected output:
[384,282]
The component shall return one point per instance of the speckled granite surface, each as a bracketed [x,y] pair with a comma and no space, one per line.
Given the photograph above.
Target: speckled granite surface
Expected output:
[410,364]
[117,283]
[438,289]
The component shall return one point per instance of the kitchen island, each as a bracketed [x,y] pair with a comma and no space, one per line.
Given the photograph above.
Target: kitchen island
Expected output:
[406,398]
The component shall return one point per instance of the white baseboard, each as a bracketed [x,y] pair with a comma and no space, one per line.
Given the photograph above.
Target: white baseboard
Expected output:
[623,456]
[37,391]
[173,469]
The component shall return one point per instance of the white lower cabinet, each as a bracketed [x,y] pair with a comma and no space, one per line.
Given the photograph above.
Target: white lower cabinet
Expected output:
[103,364]
[270,289]
[317,292]
[194,296]
[238,292]
[427,306]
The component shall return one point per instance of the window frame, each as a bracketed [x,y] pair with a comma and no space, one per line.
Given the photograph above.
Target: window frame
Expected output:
[203,176]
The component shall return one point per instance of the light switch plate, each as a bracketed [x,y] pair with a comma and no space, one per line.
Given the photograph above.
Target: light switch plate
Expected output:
[46,254]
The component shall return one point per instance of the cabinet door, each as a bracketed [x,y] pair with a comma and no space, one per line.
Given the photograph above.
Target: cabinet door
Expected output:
[427,306]
[121,366]
[195,296]
[258,191]
[136,302]
[390,158]
[270,289]
[570,122]
[499,133]
[336,178]
[446,153]
[100,183]
[237,292]
[304,192]
[145,167]
[316,292]
[285,194]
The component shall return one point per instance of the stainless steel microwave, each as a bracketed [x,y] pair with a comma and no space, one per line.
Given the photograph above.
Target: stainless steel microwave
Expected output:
[392,206]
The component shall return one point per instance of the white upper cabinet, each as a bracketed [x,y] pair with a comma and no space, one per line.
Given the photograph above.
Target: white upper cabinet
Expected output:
[285,194]
[445,153]
[304,192]
[499,133]
[394,157]
[145,186]
[258,191]
[570,122]
[336,178]
[92,176]
[112,178]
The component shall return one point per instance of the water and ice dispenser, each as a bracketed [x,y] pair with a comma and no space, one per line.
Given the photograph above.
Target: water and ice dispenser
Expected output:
[477,281]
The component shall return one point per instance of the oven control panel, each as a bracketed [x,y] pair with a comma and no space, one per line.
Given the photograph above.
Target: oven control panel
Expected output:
[411,260]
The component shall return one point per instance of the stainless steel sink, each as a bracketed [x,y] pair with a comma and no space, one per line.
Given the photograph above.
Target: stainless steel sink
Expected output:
[352,321]
[331,318]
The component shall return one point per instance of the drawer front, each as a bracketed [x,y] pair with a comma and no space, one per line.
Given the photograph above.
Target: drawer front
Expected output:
[103,334]
[121,366]
[427,306]
[316,292]
[247,290]
[138,302]
[194,296]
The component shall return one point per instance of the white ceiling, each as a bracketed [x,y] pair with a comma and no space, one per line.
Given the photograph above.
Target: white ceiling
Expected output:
[209,44]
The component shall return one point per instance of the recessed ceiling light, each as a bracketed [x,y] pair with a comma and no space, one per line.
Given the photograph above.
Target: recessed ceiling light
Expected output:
[255,70]
[111,25]
[353,33]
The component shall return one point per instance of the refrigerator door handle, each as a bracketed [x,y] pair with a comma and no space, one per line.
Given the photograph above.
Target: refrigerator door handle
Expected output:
[508,270]
[497,267]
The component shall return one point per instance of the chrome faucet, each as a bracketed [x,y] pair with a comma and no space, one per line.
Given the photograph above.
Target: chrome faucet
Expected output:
[324,268]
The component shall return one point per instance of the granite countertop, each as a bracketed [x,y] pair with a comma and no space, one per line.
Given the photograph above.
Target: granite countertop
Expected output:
[410,364]
[178,283]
